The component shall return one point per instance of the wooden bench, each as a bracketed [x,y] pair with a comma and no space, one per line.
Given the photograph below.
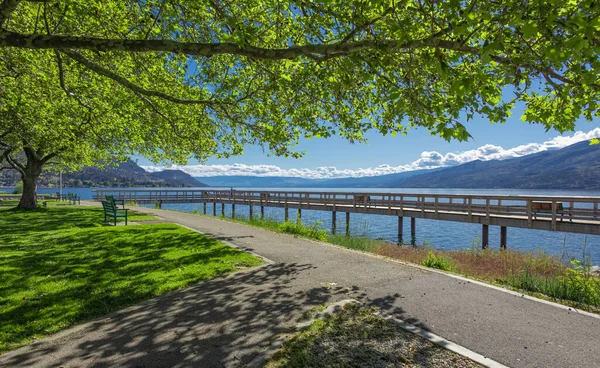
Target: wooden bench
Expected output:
[546,207]
[115,201]
[111,210]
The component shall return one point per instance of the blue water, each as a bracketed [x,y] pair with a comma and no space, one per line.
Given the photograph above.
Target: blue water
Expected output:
[437,234]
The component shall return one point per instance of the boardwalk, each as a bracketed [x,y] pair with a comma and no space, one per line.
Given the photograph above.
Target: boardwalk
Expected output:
[565,214]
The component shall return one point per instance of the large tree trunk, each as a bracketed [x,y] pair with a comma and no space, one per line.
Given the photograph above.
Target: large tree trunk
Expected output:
[30,176]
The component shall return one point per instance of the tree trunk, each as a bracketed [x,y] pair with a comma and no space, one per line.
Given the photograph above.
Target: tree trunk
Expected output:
[30,176]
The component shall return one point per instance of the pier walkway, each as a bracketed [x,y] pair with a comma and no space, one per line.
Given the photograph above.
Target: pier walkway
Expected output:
[564,214]
[227,321]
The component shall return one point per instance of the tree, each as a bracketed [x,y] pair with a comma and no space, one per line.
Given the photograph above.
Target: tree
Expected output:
[175,79]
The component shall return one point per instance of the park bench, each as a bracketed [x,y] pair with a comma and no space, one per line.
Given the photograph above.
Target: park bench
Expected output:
[546,207]
[111,210]
[115,201]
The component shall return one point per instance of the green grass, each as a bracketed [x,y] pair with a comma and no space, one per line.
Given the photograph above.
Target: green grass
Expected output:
[60,266]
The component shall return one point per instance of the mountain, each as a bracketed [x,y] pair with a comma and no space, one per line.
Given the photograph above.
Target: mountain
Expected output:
[573,167]
[381,181]
[127,174]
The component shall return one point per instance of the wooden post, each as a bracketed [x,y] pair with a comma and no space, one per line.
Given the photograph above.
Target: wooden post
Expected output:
[250,211]
[485,236]
[529,213]
[347,223]
[299,218]
[333,220]
[262,212]
[223,209]
[215,207]
[502,237]
[286,212]
[413,231]
[204,208]
[233,210]
[400,229]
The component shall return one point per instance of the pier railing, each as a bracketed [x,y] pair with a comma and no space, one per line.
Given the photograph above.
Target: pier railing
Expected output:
[530,208]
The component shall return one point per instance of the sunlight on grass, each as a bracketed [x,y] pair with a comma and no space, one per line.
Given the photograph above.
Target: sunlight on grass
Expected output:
[60,266]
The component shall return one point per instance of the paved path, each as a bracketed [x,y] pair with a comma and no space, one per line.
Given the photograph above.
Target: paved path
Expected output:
[226,321]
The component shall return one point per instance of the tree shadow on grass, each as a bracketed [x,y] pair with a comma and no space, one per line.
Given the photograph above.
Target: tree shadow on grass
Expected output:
[68,277]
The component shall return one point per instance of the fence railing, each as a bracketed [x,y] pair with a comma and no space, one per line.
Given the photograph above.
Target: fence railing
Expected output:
[547,208]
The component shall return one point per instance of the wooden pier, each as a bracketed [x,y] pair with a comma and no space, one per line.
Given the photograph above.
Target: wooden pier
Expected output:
[564,214]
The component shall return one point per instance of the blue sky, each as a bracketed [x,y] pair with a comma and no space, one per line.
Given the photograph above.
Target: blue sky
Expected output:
[393,151]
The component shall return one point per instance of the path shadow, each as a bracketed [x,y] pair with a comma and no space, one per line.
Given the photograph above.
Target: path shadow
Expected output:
[220,322]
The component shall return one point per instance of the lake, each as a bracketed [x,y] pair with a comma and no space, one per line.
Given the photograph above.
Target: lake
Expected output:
[437,234]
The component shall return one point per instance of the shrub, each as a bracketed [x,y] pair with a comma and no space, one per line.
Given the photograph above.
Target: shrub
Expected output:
[434,261]
[18,188]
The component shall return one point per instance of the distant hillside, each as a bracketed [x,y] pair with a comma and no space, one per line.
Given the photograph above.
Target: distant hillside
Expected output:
[573,167]
[127,174]
[381,181]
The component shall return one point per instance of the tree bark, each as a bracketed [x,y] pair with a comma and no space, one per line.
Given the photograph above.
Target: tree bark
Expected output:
[30,176]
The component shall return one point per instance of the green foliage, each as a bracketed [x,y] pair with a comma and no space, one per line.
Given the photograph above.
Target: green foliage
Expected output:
[60,266]
[439,262]
[276,72]
[576,284]
[298,229]
[18,188]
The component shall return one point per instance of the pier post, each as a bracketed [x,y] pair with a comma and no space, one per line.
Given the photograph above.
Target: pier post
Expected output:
[214,208]
[333,222]
[485,236]
[286,215]
[502,237]
[223,209]
[413,231]
[250,206]
[233,210]
[347,223]
[400,229]
[262,212]
[204,207]
[299,219]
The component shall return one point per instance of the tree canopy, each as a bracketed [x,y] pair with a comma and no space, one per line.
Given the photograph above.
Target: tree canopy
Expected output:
[174,79]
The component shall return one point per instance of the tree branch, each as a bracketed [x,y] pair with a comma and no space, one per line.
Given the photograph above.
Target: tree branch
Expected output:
[366,25]
[130,85]
[7,7]
[67,43]
[14,163]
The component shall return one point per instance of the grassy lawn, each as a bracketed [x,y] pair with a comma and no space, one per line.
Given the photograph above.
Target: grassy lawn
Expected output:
[61,265]
[355,337]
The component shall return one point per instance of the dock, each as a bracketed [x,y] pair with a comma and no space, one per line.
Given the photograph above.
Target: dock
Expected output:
[572,214]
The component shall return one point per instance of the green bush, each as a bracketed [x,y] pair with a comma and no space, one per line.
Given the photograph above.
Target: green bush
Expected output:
[433,261]
[18,188]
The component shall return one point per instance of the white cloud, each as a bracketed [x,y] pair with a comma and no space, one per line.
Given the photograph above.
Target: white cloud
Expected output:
[428,160]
